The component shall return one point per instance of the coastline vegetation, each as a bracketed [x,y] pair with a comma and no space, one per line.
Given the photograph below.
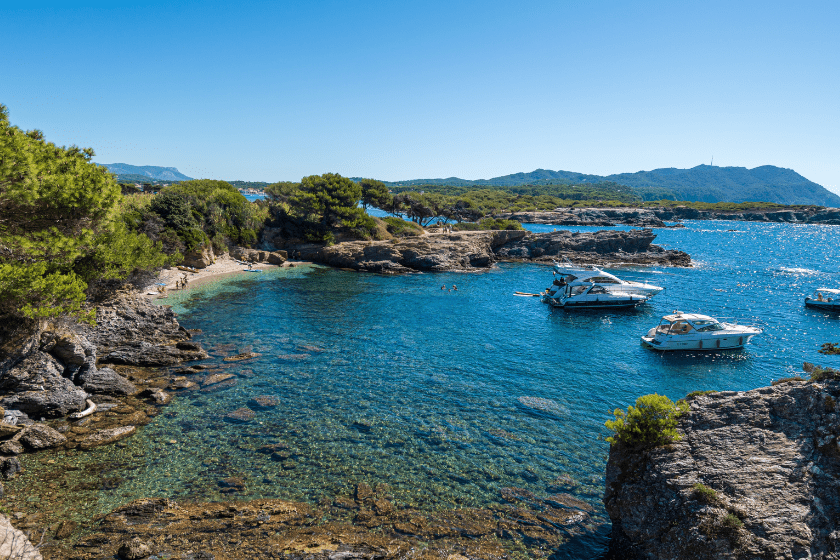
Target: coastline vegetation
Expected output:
[61,233]
[651,422]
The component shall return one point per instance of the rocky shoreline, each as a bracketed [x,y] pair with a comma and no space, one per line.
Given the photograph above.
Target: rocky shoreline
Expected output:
[471,251]
[754,476]
[653,217]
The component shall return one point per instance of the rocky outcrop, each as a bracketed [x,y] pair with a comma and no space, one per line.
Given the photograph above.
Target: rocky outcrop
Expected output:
[606,246]
[806,215]
[257,256]
[200,258]
[14,544]
[131,330]
[755,475]
[638,217]
[50,373]
[656,216]
[465,251]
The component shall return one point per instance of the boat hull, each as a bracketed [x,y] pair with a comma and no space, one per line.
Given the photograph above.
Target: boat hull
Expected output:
[727,342]
[602,304]
[822,305]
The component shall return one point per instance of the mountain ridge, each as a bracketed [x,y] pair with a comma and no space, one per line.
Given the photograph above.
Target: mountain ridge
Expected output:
[703,183]
[150,171]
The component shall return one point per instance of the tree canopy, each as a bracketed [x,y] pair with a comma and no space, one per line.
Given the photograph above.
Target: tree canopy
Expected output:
[58,230]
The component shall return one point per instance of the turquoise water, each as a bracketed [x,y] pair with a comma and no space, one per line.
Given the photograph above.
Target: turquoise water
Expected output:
[449,396]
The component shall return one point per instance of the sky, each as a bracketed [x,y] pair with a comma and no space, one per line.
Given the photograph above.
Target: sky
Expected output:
[270,91]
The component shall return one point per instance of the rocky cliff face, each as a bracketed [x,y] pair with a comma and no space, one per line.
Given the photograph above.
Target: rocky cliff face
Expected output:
[754,476]
[52,372]
[476,250]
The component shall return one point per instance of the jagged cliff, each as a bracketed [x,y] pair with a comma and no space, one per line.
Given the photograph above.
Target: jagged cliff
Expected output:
[755,475]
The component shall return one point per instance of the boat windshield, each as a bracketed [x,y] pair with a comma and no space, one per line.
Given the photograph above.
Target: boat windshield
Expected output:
[707,326]
[604,280]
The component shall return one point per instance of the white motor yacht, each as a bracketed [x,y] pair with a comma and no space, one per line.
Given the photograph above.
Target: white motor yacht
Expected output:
[827,299]
[589,295]
[691,331]
[592,274]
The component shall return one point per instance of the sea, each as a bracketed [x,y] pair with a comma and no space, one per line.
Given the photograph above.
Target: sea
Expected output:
[448,388]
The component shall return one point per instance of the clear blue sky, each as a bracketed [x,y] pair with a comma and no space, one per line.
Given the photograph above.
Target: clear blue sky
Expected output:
[400,90]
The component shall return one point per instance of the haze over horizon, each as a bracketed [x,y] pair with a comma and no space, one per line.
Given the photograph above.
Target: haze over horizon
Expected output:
[276,91]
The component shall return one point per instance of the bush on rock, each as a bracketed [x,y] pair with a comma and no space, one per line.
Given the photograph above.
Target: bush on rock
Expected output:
[653,421]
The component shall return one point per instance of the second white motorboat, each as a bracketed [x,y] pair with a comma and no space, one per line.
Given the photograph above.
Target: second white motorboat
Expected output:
[691,331]
[571,274]
[588,295]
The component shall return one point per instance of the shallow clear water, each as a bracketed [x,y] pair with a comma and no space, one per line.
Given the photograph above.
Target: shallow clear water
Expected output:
[449,396]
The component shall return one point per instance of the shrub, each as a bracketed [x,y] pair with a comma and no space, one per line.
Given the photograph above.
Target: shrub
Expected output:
[489,224]
[830,348]
[786,380]
[731,521]
[824,374]
[402,228]
[704,493]
[653,421]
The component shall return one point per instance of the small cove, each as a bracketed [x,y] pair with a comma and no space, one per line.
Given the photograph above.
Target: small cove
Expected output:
[450,396]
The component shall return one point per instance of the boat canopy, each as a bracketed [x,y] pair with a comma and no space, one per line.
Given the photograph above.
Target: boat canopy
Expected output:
[829,290]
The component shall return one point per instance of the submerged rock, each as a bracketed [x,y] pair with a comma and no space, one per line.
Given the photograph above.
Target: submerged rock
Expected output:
[41,436]
[264,401]
[104,437]
[241,415]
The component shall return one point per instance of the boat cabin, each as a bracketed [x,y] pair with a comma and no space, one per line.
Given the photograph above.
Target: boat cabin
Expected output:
[687,323]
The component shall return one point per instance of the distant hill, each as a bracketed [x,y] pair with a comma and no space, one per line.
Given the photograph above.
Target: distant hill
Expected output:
[148,171]
[704,183]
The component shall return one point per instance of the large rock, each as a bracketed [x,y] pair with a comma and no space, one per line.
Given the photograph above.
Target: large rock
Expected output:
[145,354]
[104,437]
[35,385]
[754,476]
[200,258]
[14,544]
[106,381]
[41,436]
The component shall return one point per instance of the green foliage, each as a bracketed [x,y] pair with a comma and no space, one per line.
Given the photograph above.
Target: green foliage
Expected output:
[402,228]
[374,193]
[489,224]
[330,198]
[282,191]
[824,374]
[786,380]
[653,421]
[830,348]
[199,212]
[704,493]
[730,521]
[57,217]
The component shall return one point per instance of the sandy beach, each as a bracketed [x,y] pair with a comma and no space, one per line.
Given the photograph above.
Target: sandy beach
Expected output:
[223,266]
